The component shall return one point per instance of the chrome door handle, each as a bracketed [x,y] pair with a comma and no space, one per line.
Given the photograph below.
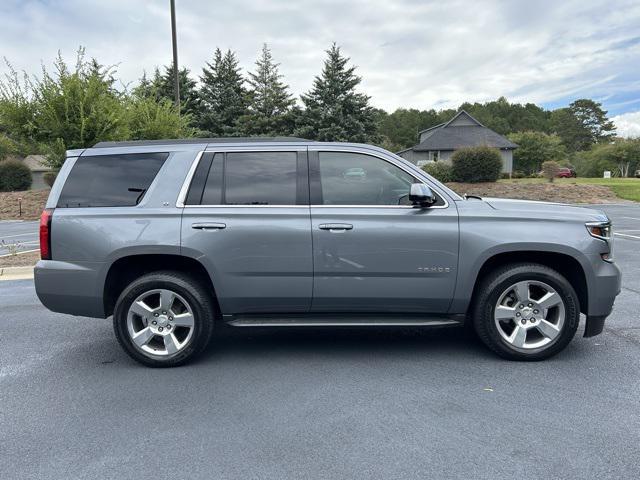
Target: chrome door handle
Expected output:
[335,227]
[208,226]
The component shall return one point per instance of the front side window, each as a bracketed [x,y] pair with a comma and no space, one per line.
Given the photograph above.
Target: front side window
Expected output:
[358,179]
[110,180]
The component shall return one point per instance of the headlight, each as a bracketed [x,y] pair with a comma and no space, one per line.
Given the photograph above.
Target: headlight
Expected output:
[601,230]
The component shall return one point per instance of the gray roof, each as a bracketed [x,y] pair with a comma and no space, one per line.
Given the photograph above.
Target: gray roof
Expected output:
[450,136]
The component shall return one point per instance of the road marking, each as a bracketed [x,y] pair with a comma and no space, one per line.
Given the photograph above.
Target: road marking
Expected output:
[626,235]
[632,218]
[19,235]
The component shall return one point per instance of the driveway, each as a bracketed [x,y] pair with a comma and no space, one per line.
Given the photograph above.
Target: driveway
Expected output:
[353,404]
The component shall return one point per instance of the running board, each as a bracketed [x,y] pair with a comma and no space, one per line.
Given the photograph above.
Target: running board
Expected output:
[339,321]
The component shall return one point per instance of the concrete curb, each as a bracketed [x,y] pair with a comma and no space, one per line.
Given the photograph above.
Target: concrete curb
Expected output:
[16,273]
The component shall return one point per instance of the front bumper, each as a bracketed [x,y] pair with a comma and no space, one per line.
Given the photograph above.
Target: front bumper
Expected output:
[70,288]
[604,287]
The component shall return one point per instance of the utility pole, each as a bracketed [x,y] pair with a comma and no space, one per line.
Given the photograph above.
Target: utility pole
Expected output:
[176,86]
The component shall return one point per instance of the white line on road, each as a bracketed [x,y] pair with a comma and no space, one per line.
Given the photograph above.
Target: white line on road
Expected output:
[626,235]
[632,218]
[19,235]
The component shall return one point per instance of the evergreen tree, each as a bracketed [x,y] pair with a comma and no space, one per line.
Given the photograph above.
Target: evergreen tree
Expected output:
[223,95]
[334,110]
[270,102]
[161,86]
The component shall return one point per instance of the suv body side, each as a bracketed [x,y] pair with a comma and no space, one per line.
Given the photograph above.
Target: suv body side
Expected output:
[393,264]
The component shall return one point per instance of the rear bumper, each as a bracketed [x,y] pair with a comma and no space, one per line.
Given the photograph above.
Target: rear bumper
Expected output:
[70,288]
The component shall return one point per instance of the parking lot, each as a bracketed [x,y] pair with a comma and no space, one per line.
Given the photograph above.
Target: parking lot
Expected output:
[389,403]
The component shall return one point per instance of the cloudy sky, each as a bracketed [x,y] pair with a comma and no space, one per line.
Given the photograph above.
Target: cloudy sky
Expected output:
[423,54]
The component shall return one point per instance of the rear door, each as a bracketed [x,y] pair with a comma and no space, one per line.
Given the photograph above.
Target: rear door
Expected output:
[246,218]
[373,252]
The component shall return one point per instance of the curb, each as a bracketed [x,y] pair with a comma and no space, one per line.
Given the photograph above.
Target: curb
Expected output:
[16,273]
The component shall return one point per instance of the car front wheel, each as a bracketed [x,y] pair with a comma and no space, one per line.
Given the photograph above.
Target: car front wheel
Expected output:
[526,312]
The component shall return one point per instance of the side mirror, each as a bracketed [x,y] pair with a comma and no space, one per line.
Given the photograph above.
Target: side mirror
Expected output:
[421,195]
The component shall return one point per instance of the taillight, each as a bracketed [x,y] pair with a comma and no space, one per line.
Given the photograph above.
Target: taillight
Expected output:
[45,233]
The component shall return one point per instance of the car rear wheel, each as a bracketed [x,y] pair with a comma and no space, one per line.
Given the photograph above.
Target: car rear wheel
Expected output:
[526,312]
[164,319]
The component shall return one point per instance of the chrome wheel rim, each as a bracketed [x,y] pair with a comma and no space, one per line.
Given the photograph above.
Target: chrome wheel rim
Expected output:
[529,315]
[160,323]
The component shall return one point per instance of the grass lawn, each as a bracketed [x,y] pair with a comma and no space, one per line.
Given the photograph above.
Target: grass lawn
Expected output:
[627,188]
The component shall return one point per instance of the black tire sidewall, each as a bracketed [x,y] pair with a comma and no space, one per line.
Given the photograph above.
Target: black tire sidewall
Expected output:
[184,286]
[497,284]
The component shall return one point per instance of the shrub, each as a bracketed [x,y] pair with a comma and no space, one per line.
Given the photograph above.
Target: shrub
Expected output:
[49,178]
[476,164]
[440,171]
[550,169]
[518,174]
[14,176]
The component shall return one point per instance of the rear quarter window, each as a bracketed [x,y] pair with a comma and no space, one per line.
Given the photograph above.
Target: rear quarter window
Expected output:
[110,180]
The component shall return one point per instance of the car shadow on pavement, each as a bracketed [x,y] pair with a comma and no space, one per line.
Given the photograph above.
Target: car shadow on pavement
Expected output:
[346,342]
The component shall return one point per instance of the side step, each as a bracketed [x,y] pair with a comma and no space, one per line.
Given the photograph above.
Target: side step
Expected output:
[340,320]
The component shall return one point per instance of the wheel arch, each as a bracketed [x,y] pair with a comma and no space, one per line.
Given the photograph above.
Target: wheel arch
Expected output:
[563,263]
[126,269]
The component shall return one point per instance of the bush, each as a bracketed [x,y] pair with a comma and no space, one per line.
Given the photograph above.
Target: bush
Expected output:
[476,164]
[550,169]
[440,171]
[14,176]
[49,178]
[518,174]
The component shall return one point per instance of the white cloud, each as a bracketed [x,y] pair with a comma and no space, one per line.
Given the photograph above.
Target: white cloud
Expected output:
[628,124]
[414,53]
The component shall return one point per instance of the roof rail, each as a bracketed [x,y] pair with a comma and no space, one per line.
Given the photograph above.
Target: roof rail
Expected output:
[187,141]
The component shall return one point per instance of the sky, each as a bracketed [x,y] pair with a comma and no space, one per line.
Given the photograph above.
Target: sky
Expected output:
[410,53]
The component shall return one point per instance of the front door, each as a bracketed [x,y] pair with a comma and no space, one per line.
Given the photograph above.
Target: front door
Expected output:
[372,251]
[247,219]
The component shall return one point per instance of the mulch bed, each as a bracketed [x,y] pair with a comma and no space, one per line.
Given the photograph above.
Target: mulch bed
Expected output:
[548,192]
[33,202]
[21,260]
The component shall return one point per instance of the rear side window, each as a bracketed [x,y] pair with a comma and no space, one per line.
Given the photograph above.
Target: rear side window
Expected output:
[110,180]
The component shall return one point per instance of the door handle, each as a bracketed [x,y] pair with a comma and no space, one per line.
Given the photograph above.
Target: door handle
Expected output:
[335,227]
[208,226]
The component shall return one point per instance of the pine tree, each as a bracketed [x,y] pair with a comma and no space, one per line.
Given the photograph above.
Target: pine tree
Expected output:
[334,110]
[161,85]
[223,95]
[270,102]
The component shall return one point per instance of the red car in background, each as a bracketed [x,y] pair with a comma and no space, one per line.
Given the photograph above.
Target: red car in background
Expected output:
[565,172]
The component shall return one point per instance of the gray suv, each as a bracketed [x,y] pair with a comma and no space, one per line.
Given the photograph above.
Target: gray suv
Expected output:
[171,237]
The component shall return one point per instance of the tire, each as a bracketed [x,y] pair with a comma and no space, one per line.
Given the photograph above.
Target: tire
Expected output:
[172,319]
[547,331]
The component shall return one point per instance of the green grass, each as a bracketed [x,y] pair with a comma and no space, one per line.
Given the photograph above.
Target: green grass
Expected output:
[627,188]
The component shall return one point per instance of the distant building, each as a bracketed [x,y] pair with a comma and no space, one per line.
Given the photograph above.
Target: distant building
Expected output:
[38,169]
[437,144]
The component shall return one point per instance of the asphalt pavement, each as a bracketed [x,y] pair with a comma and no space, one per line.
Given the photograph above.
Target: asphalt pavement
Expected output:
[24,235]
[332,404]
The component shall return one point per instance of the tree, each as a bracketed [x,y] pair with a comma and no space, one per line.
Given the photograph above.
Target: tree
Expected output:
[270,103]
[400,129]
[550,169]
[223,95]
[78,107]
[534,148]
[162,86]
[621,157]
[582,124]
[334,110]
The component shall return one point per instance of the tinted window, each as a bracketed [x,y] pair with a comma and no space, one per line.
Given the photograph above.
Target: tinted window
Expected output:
[212,194]
[258,178]
[358,179]
[110,180]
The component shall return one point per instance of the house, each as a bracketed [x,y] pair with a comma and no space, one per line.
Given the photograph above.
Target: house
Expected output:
[38,169]
[437,144]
